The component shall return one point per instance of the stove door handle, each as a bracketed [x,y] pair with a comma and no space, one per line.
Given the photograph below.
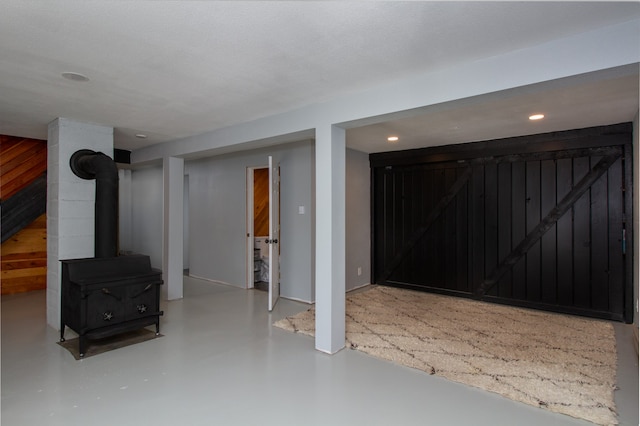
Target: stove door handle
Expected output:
[108,293]
[147,288]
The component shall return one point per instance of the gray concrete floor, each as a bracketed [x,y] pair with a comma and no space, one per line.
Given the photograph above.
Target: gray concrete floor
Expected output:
[221,362]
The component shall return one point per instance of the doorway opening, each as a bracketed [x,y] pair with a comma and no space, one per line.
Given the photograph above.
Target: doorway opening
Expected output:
[258,228]
[263,262]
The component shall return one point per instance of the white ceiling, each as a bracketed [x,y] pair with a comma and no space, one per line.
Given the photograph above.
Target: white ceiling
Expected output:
[173,69]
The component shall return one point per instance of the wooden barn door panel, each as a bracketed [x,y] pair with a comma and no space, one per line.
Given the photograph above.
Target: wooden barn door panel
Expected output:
[539,229]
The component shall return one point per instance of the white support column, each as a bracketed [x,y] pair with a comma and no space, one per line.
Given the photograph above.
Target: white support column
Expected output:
[330,238]
[172,267]
[70,201]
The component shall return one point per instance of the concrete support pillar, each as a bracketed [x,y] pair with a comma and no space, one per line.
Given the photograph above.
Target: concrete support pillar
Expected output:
[330,238]
[70,201]
[172,250]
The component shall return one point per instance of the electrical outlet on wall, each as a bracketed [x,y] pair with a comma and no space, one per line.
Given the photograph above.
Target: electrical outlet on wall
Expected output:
[359,270]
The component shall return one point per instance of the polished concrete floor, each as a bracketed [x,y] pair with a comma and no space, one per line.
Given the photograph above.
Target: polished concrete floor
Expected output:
[221,362]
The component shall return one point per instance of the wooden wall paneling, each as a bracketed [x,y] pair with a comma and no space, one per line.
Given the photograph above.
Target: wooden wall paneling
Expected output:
[532,214]
[518,228]
[23,256]
[548,242]
[617,260]
[261,202]
[24,259]
[21,161]
[414,211]
[504,228]
[581,239]
[566,262]
[449,235]
[599,243]
[491,219]
[564,230]
[463,278]
[477,225]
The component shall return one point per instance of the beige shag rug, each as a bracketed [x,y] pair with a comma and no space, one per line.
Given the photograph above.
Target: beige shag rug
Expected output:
[556,362]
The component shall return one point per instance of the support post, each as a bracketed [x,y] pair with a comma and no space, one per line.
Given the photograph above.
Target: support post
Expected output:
[172,240]
[330,238]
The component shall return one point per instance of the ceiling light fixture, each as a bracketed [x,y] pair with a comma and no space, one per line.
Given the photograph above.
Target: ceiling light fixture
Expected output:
[536,117]
[141,136]
[75,76]
[393,139]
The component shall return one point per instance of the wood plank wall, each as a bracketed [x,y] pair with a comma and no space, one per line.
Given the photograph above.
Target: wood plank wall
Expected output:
[21,161]
[23,256]
[261,202]
[24,259]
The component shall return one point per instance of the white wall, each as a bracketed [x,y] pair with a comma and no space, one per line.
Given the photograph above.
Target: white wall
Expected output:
[217,217]
[358,220]
[146,214]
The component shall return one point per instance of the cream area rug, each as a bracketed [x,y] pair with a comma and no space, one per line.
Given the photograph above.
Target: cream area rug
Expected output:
[556,362]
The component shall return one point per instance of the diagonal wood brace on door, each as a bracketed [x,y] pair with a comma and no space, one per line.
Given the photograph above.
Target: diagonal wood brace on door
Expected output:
[549,220]
[429,221]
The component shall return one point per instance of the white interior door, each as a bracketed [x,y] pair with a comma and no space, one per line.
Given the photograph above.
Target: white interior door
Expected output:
[274,232]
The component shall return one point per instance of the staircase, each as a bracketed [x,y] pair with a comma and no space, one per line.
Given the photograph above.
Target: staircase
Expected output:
[23,195]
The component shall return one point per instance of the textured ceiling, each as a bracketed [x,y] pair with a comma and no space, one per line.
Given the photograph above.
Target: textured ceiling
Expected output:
[181,68]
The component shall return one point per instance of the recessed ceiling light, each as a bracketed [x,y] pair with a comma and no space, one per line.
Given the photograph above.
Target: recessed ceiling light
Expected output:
[393,139]
[536,117]
[141,136]
[74,76]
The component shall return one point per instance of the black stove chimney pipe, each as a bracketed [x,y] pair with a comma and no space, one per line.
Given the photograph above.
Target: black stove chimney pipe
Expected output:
[88,164]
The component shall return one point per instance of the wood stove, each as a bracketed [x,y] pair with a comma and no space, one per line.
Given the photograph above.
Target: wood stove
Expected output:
[107,294]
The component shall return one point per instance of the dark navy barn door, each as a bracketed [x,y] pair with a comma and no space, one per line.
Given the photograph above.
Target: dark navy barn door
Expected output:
[539,221]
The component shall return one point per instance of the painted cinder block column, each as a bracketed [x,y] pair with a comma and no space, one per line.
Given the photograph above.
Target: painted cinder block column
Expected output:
[330,238]
[172,237]
[70,201]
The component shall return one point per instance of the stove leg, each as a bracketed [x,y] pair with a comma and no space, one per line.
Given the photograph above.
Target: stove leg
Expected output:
[82,343]
[158,327]
[62,332]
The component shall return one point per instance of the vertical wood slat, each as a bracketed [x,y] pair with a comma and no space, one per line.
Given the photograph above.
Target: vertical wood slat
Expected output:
[548,260]
[581,239]
[518,209]
[599,244]
[532,214]
[463,281]
[564,231]
[505,227]
[491,219]
[449,234]
[616,267]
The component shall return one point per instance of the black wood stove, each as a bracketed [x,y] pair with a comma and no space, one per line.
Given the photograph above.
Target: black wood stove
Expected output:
[107,294]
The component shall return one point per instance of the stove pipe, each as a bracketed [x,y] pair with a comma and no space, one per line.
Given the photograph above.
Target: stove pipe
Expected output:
[88,164]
